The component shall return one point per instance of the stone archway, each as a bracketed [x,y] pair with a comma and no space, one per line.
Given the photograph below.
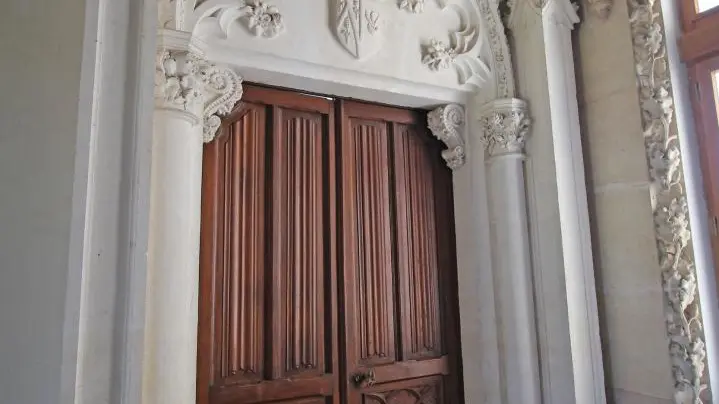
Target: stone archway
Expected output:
[486,148]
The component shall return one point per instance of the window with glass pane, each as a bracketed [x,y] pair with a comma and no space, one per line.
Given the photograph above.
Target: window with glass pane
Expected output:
[704,5]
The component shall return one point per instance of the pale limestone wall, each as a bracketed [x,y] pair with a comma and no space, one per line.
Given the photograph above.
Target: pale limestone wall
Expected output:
[41,45]
[628,274]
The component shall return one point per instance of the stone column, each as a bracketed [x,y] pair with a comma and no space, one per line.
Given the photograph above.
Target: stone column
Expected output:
[190,94]
[587,372]
[504,125]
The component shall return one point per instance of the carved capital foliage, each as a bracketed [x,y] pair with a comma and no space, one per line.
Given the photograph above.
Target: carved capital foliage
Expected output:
[447,125]
[669,204]
[186,82]
[505,125]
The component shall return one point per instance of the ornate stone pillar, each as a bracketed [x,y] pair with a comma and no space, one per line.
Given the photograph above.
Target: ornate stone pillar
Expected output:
[504,125]
[190,94]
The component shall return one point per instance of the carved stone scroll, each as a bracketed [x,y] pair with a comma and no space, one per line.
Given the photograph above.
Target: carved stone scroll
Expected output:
[447,125]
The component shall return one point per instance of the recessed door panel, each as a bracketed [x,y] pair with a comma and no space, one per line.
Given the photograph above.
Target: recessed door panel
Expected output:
[267,281]
[417,250]
[391,268]
[298,245]
[367,247]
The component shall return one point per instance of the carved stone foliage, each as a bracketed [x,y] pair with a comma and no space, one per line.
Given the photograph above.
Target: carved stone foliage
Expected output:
[439,55]
[505,125]
[668,198]
[415,6]
[186,82]
[447,124]
[462,51]
[263,19]
[501,60]
[357,27]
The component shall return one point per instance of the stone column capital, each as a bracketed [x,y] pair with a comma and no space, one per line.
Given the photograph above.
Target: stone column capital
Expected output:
[504,125]
[447,124]
[202,91]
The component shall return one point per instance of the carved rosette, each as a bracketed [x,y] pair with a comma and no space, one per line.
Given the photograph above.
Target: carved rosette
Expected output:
[447,124]
[202,91]
[669,204]
[438,55]
[415,6]
[505,125]
[261,18]
[264,19]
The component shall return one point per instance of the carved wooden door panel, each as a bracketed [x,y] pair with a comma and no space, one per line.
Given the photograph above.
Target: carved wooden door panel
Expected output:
[327,257]
[396,268]
[267,328]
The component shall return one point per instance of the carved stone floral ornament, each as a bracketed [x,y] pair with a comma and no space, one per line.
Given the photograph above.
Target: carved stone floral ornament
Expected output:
[262,19]
[669,204]
[505,125]
[439,55]
[186,82]
[415,6]
[447,124]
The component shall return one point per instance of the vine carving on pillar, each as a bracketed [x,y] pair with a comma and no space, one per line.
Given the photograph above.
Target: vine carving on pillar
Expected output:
[186,82]
[504,124]
[499,46]
[447,124]
[669,204]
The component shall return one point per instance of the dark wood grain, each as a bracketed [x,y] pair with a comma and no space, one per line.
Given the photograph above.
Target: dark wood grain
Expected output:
[417,254]
[327,249]
[383,145]
[367,244]
[265,275]
[298,244]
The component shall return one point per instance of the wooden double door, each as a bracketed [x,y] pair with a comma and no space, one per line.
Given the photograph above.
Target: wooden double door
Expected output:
[327,256]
